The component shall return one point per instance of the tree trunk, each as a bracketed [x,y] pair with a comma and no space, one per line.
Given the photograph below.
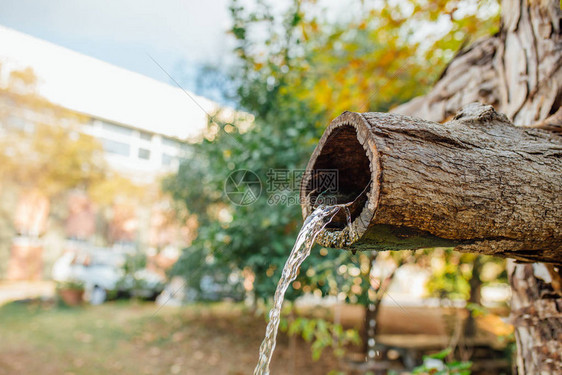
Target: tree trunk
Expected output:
[518,71]
[474,298]
[477,183]
[536,312]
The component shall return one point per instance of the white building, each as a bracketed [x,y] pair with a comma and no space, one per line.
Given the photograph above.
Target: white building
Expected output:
[142,123]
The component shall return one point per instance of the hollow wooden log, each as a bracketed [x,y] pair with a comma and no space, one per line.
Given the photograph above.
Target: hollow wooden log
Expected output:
[477,183]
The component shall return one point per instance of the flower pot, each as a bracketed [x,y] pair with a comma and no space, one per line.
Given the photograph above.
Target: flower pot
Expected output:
[72,297]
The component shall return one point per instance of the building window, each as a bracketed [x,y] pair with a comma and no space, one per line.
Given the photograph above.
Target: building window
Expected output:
[167,159]
[171,142]
[144,153]
[20,123]
[114,147]
[146,136]
[114,128]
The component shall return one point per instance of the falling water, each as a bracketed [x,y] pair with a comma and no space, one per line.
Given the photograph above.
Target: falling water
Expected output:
[312,226]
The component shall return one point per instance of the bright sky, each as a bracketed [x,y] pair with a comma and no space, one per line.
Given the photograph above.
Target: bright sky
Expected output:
[177,33]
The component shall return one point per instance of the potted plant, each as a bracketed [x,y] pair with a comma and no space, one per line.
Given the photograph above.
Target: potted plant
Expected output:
[71,292]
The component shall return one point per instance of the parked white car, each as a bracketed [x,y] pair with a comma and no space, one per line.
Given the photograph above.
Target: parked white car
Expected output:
[102,271]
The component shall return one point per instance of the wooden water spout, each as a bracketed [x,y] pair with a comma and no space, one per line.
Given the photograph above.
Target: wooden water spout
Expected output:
[476,183]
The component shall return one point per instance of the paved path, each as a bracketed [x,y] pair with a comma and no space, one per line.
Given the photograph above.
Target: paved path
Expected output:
[18,290]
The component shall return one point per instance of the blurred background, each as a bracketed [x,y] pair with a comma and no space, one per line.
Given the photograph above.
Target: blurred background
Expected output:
[120,250]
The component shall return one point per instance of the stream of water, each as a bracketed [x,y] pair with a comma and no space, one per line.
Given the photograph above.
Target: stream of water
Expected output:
[313,225]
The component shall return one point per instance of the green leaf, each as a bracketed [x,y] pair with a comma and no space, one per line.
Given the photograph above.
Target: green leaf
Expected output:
[442,354]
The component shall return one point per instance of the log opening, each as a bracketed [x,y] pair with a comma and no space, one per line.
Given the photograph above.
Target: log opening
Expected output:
[345,148]
[341,155]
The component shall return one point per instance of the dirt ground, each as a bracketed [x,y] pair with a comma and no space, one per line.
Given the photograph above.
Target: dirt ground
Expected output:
[138,338]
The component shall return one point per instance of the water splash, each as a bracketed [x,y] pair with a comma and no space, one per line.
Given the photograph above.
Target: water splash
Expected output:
[313,225]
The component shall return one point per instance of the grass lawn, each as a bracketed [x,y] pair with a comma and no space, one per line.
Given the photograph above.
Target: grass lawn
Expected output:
[128,337]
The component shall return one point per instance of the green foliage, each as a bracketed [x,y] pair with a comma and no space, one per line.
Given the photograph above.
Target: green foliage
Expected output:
[451,273]
[436,364]
[294,73]
[476,310]
[134,262]
[323,334]
[258,236]
[70,285]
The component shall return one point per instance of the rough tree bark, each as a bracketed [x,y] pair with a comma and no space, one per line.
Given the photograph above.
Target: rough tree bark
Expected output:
[536,308]
[518,71]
